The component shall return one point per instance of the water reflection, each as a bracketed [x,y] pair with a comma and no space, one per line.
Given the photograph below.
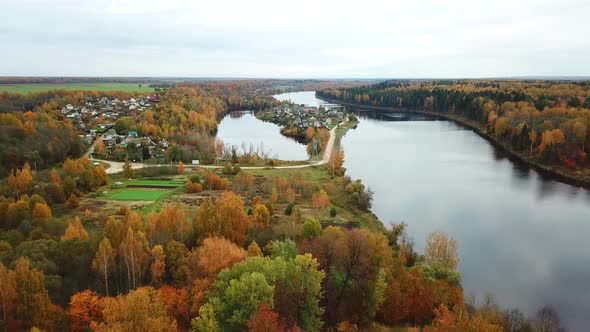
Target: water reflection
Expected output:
[242,130]
[522,236]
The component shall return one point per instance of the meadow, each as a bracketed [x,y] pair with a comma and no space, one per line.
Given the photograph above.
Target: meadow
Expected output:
[137,194]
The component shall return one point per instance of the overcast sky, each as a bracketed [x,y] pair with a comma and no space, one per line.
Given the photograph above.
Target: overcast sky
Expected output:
[297,38]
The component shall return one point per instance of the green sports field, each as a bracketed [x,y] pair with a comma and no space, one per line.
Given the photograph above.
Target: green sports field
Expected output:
[137,195]
[27,88]
[155,183]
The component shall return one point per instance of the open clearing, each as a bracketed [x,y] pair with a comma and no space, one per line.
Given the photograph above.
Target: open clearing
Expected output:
[154,184]
[39,87]
[137,195]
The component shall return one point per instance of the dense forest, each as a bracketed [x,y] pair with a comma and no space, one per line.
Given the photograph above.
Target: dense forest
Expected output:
[546,121]
[227,249]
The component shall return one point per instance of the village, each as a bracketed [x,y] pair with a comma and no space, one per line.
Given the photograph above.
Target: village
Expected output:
[96,119]
[303,116]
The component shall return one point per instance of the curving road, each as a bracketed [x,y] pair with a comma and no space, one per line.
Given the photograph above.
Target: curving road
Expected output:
[117,166]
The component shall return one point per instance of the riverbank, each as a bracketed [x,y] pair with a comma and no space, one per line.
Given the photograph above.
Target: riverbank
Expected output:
[555,172]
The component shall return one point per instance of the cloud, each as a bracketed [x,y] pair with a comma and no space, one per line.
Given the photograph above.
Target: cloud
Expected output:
[295,38]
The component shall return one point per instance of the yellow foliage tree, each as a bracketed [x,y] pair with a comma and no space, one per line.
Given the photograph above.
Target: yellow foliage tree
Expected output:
[75,230]
[41,212]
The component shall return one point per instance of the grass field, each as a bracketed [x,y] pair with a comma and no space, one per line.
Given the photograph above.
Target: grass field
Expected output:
[155,183]
[28,88]
[137,195]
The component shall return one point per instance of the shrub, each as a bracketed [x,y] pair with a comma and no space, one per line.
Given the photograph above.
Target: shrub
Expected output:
[195,178]
[227,169]
[289,209]
[333,212]
[236,169]
[311,229]
[193,188]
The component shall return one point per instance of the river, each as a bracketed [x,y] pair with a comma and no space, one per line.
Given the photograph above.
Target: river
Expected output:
[522,237]
[242,130]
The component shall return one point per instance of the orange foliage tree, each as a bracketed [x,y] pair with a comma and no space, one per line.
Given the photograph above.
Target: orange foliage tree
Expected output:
[320,199]
[265,320]
[41,212]
[75,230]
[214,255]
[180,168]
[104,261]
[176,302]
[85,307]
[8,296]
[20,180]
[225,217]
[158,267]
[260,216]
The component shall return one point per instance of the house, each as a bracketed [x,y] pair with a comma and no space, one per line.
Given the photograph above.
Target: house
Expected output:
[109,140]
[132,133]
[153,99]
[73,115]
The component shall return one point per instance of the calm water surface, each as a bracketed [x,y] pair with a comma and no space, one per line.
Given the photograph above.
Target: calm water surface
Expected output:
[244,131]
[523,238]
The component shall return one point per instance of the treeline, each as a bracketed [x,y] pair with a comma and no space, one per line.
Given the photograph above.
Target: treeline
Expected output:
[546,120]
[37,138]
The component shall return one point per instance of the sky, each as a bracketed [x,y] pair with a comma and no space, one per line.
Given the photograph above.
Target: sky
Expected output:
[295,39]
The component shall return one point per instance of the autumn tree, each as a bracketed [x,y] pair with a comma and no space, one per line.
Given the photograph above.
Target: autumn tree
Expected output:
[180,170]
[441,250]
[245,180]
[226,217]
[206,261]
[73,202]
[34,303]
[335,163]
[41,212]
[8,295]
[135,253]
[311,229]
[99,147]
[260,217]
[177,264]
[127,169]
[290,195]
[177,303]
[265,320]
[549,140]
[320,200]
[75,230]
[104,261]
[254,250]
[20,180]
[158,266]
[459,319]
[85,307]
[139,310]
[359,261]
